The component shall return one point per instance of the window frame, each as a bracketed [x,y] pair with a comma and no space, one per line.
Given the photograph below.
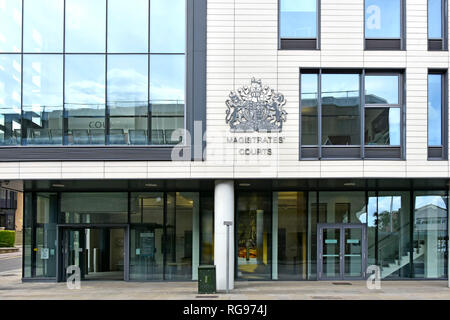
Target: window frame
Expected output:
[300,43]
[439,152]
[374,44]
[362,151]
[439,44]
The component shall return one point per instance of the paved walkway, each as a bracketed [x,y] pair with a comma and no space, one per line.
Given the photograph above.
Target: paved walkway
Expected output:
[11,287]
[10,261]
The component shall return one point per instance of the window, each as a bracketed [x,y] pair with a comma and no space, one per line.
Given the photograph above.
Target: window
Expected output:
[437,25]
[43,26]
[341,109]
[430,234]
[10,25]
[104,72]
[85,26]
[128,99]
[384,25]
[437,115]
[10,92]
[299,24]
[85,100]
[382,110]
[344,122]
[42,99]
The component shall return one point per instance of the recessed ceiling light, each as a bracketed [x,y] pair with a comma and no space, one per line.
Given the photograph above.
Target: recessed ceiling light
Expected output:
[349,184]
[151,185]
[244,184]
[56,185]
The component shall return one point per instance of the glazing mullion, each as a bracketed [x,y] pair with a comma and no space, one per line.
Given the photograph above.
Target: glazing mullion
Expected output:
[107,119]
[149,106]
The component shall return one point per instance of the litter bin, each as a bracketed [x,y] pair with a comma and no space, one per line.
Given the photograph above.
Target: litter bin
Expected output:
[206,279]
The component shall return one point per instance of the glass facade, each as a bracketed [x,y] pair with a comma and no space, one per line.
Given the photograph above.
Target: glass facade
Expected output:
[169,234]
[360,111]
[280,235]
[298,19]
[341,109]
[93,73]
[383,19]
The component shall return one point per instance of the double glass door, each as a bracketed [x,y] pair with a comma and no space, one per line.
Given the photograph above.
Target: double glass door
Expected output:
[341,251]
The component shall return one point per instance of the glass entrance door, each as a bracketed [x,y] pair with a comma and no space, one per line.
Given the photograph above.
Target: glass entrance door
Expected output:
[341,251]
[73,252]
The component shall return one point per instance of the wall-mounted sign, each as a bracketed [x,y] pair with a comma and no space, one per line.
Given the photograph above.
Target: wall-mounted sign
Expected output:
[255,109]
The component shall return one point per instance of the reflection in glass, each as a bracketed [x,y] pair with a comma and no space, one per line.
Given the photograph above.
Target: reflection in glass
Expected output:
[342,207]
[128,26]
[393,234]
[430,234]
[42,99]
[435,109]
[383,19]
[85,99]
[85,26]
[43,25]
[371,228]
[128,99]
[353,252]
[85,207]
[167,87]
[254,236]
[292,235]
[45,233]
[167,26]
[435,19]
[309,103]
[10,89]
[298,19]
[340,109]
[331,251]
[10,25]
[207,229]
[147,240]
[181,230]
[382,126]
[381,89]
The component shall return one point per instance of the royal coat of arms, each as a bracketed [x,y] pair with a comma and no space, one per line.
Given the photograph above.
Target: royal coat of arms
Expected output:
[255,109]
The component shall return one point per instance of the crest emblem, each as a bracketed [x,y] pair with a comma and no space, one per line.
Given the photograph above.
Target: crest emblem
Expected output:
[255,109]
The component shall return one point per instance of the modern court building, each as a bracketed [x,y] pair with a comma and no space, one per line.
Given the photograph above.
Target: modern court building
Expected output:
[318,128]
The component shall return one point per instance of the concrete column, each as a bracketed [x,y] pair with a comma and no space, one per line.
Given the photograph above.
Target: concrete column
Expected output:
[223,211]
[195,238]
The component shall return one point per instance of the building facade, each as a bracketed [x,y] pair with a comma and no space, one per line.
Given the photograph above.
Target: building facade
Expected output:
[318,129]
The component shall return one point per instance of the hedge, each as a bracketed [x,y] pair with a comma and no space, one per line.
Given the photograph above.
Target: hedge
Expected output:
[7,238]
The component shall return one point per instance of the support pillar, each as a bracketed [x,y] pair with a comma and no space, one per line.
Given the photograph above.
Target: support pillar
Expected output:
[223,211]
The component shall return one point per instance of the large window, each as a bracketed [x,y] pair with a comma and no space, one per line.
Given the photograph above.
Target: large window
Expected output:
[382,110]
[299,24]
[10,25]
[437,115]
[94,72]
[437,25]
[430,234]
[359,114]
[384,24]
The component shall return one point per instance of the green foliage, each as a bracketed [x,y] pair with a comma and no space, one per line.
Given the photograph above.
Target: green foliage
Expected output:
[7,238]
